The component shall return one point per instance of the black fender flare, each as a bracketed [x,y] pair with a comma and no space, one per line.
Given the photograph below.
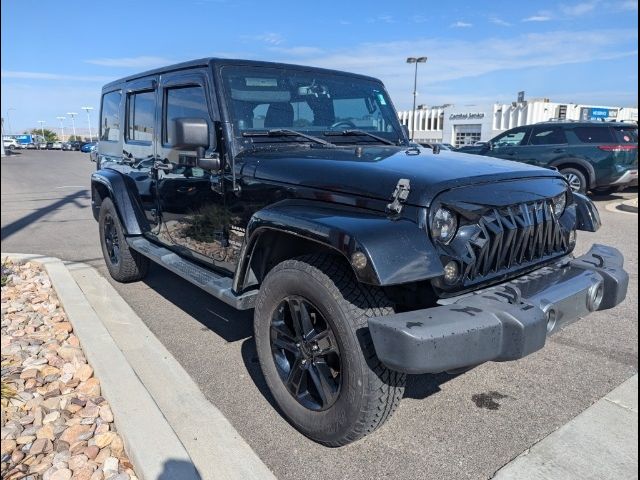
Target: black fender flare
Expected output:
[123,193]
[397,250]
[558,163]
[587,215]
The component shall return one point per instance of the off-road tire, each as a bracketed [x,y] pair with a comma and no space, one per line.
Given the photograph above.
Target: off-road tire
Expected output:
[369,392]
[130,266]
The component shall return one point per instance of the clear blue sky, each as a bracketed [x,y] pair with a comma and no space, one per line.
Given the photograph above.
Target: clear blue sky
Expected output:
[57,54]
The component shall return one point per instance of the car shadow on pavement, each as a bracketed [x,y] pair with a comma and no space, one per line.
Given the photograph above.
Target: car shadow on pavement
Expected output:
[612,196]
[223,320]
[420,387]
[17,225]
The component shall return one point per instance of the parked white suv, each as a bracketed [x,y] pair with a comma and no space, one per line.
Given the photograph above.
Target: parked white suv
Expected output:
[10,143]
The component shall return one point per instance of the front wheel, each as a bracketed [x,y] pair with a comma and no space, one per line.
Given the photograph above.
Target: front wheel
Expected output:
[576,179]
[316,351]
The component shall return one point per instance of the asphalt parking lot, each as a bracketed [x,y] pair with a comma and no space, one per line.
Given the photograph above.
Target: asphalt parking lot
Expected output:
[464,426]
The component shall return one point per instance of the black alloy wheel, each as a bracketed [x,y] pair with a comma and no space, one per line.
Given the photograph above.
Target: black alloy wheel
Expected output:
[111,240]
[306,353]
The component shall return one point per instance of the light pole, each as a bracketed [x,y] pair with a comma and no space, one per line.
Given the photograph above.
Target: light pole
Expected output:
[9,120]
[61,128]
[42,122]
[73,123]
[88,109]
[415,60]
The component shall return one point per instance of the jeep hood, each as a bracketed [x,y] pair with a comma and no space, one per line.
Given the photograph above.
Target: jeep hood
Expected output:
[375,173]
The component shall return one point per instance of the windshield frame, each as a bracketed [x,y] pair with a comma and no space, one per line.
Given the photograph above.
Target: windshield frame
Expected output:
[242,142]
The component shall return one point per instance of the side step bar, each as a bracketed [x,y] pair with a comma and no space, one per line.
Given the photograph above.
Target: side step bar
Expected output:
[217,285]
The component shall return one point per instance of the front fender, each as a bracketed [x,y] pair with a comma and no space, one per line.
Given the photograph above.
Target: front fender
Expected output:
[587,215]
[123,192]
[397,250]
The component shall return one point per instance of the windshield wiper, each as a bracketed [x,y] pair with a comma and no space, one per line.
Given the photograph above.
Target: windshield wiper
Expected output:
[353,132]
[285,132]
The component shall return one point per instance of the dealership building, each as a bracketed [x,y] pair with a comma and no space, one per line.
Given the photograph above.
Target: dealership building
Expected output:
[466,124]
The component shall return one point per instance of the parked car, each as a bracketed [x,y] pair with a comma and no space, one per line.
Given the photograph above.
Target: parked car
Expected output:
[360,263]
[76,145]
[88,147]
[67,146]
[598,156]
[41,145]
[441,146]
[55,145]
[10,143]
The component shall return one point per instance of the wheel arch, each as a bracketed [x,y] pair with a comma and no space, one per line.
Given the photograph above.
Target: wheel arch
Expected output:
[122,192]
[585,167]
[397,251]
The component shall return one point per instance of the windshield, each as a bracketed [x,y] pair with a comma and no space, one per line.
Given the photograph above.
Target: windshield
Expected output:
[307,101]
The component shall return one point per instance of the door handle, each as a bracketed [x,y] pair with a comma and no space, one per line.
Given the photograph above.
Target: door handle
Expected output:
[559,150]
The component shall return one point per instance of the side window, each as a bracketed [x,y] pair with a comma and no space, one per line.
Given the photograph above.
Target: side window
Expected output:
[183,102]
[141,108]
[110,118]
[626,135]
[510,139]
[594,134]
[548,136]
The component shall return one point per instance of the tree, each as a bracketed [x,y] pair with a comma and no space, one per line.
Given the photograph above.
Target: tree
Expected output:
[49,135]
[74,138]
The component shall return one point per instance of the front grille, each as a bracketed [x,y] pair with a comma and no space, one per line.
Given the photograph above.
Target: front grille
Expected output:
[512,237]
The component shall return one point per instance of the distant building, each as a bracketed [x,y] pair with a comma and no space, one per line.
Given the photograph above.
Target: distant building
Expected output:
[467,124]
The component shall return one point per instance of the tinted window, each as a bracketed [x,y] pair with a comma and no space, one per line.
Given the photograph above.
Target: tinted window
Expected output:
[110,119]
[140,116]
[626,135]
[594,134]
[510,139]
[184,102]
[548,136]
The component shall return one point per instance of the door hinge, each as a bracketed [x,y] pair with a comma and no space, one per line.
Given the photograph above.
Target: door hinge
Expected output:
[400,195]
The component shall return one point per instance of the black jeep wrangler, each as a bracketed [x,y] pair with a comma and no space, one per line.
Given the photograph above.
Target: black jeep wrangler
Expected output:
[295,192]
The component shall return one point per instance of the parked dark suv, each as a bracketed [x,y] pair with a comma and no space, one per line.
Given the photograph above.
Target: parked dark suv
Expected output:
[294,191]
[597,156]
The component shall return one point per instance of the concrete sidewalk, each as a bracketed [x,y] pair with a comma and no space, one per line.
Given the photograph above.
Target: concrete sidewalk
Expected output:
[169,428]
[600,443]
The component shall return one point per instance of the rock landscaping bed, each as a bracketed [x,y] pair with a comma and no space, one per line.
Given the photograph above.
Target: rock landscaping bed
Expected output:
[55,423]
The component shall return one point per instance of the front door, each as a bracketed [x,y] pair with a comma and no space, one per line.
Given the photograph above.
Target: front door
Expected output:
[509,145]
[193,210]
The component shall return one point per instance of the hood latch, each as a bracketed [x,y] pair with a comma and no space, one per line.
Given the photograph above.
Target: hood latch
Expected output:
[400,195]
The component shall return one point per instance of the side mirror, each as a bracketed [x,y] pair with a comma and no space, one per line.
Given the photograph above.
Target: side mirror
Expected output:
[190,133]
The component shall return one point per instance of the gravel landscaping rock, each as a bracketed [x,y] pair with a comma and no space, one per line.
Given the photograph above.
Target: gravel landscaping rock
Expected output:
[55,424]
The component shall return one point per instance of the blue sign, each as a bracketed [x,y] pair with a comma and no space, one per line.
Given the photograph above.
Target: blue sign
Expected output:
[600,112]
[597,113]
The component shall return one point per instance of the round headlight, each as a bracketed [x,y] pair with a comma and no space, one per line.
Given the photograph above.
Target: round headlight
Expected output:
[559,203]
[444,225]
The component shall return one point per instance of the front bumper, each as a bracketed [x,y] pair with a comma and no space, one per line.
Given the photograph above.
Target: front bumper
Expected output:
[503,322]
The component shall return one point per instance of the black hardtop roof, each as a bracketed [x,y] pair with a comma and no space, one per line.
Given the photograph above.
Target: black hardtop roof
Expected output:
[204,62]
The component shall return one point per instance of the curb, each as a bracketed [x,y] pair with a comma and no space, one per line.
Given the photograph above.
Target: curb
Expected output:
[628,207]
[170,430]
[601,442]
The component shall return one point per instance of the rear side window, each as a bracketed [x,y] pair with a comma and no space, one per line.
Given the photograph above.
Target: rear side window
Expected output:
[184,102]
[140,116]
[110,118]
[625,135]
[594,134]
[548,136]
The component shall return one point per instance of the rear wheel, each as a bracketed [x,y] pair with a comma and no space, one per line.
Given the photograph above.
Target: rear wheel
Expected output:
[316,351]
[123,263]
[577,180]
